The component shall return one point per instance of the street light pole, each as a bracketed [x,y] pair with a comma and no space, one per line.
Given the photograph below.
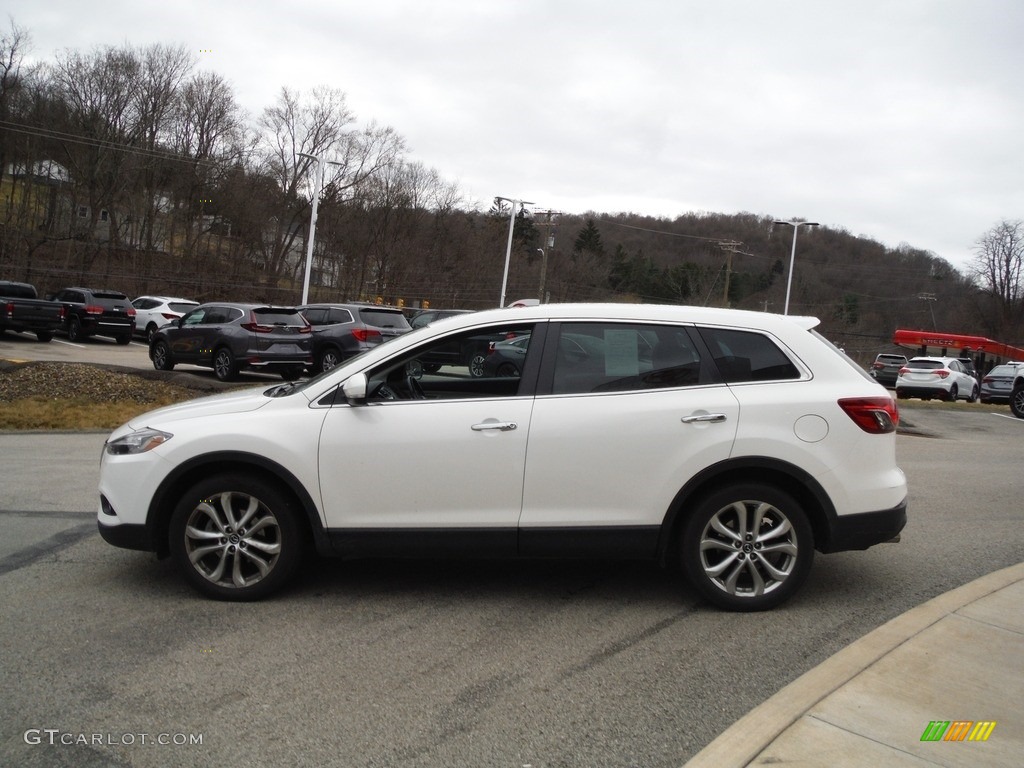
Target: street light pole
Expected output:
[318,185]
[792,256]
[508,249]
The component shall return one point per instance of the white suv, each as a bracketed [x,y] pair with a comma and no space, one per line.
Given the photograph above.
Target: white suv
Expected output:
[944,377]
[730,443]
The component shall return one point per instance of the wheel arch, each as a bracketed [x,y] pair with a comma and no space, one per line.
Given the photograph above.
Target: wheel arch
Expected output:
[790,478]
[165,498]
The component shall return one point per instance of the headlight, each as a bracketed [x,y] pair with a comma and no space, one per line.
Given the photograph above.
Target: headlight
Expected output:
[139,441]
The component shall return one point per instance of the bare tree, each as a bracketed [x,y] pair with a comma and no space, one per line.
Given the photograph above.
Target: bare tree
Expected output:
[161,71]
[297,127]
[93,99]
[998,267]
[13,45]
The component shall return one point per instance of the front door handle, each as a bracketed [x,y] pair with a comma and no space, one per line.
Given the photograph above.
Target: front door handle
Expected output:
[501,426]
[713,418]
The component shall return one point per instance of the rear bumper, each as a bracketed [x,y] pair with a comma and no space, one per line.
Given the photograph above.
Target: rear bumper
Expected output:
[866,529]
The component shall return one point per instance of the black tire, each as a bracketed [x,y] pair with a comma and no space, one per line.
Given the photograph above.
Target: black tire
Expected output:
[161,356]
[75,329]
[151,330]
[292,372]
[329,358]
[508,370]
[974,395]
[123,339]
[953,392]
[236,537]
[225,367]
[44,336]
[1017,401]
[727,561]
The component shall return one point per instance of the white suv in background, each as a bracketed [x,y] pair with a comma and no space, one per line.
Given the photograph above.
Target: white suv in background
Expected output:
[731,444]
[944,377]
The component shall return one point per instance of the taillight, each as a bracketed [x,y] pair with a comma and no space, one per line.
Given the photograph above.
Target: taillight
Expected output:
[131,311]
[903,371]
[9,307]
[257,328]
[875,415]
[942,374]
[92,309]
[169,316]
[987,380]
[878,365]
[365,334]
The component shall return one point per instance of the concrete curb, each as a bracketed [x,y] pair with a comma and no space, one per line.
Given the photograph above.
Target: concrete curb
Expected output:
[749,736]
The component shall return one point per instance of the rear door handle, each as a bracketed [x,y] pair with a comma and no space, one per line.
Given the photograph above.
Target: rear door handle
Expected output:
[501,426]
[713,418]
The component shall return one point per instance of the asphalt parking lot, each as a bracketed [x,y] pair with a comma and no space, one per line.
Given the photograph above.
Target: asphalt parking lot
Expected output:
[110,660]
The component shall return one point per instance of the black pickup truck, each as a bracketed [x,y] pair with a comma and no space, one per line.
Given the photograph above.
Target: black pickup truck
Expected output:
[22,310]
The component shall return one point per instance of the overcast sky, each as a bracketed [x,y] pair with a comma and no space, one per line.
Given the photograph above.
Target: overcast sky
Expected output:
[898,120]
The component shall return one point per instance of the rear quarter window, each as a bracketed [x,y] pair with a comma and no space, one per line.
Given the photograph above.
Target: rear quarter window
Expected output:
[748,356]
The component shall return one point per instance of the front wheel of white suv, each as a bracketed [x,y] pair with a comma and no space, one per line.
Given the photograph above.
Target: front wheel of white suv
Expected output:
[236,537]
[747,547]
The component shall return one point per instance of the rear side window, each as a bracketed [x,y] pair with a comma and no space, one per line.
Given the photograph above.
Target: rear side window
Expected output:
[616,357]
[748,356]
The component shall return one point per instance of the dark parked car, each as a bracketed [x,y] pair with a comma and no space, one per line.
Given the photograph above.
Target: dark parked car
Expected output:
[21,310]
[88,312]
[506,358]
[342,331]
[231,337]
[997,384]
[886,368]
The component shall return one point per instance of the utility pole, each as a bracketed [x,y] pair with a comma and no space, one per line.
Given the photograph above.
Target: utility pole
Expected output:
[730,247]
[549,243]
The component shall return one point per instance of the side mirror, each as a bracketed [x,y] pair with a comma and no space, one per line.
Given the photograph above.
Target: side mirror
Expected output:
[355,389]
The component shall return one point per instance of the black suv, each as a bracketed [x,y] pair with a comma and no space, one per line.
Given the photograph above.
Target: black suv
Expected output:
[230,337]
[89,312]
[342,331]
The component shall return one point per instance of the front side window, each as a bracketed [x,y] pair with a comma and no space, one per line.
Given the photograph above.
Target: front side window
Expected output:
[618,357]
[195,317]
[459,366]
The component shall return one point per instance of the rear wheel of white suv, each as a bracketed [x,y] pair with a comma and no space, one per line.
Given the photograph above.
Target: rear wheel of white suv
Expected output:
[747,547]
[236,537]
